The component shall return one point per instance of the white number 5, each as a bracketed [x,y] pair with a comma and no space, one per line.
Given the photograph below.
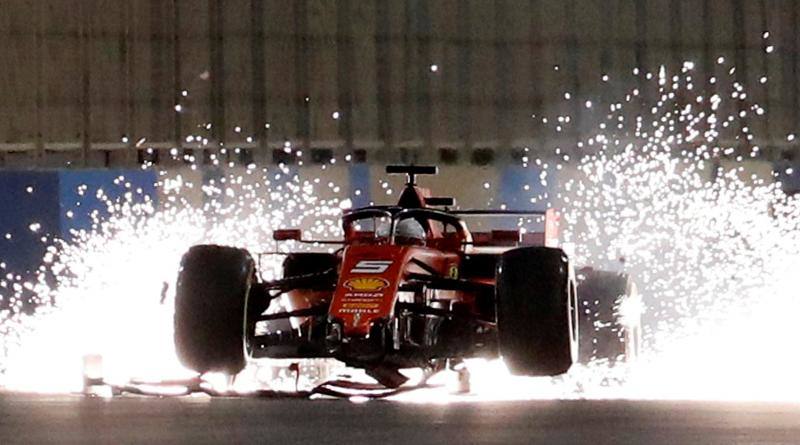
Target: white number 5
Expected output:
[371,266]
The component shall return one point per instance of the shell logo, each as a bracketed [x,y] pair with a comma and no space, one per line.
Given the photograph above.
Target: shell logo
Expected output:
[366,284]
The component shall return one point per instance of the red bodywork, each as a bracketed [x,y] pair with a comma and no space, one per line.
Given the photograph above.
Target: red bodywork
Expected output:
[362,297]
[392,304]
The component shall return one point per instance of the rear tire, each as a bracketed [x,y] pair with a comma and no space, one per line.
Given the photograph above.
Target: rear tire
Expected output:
[610,317]
[210,301]
[536,311]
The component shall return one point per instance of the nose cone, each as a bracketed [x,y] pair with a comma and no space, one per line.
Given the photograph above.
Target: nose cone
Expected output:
[367,287]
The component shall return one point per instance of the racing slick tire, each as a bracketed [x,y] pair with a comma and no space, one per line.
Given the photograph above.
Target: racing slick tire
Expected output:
[537,321]
[210,300]
[610,316]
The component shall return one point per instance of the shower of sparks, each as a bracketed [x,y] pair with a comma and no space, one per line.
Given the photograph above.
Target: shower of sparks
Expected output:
[109,296]
[714,251]
[657,191]
[663,194]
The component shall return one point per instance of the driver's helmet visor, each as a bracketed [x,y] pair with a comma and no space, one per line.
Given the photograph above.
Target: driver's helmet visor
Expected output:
[409,231]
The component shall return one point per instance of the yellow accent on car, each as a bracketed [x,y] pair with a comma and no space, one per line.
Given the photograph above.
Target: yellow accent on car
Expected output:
[453,271]
[366,284]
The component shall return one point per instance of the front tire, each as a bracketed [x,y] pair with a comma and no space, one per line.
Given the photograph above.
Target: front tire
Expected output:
[212,289]
[536,311]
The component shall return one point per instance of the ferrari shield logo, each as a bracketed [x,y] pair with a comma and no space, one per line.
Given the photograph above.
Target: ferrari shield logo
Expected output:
[453,273]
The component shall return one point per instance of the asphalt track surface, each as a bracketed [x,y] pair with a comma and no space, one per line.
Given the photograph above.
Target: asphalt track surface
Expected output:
[194,420]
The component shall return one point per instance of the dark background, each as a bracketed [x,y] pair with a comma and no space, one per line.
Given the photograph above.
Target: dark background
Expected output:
[84,80]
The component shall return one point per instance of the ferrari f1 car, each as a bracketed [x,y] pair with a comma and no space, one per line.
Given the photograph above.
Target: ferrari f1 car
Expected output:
[410,287]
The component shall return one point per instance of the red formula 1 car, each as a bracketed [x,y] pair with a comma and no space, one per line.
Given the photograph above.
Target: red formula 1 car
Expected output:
[410,287]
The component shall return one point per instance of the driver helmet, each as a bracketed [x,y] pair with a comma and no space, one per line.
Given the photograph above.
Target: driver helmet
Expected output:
[409,231]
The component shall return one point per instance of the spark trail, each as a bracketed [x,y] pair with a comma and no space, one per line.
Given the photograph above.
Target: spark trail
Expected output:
[662,184]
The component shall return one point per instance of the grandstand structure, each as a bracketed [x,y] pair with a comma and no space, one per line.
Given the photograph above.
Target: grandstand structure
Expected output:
[116,83]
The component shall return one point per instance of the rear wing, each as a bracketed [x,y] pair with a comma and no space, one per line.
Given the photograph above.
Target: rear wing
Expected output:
[411,171]
[548,236]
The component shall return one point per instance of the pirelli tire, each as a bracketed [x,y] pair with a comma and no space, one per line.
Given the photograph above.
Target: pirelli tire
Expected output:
[610,317]
[536,302]
[210,300]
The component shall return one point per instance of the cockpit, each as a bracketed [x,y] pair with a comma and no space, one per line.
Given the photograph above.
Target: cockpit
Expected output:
[399,226]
